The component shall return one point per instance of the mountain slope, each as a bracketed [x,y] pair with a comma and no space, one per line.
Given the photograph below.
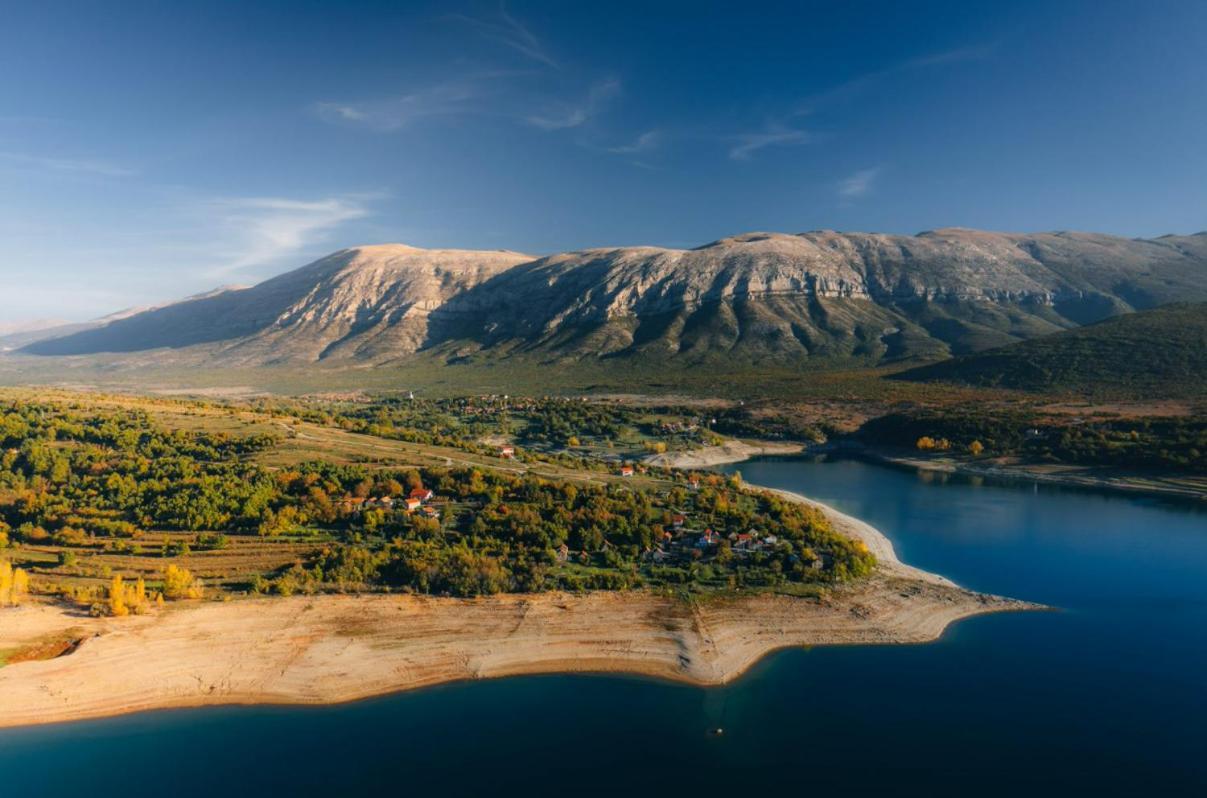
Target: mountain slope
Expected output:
[825,294]
[1158,353]
[759,298]
[355,303]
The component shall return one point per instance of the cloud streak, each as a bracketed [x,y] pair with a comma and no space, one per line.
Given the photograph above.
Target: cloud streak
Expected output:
[86,166]
[647,141]
[859,184]
[511,33]
[453,98]
[860,83]
[747,144]
[265,230]
[569,115]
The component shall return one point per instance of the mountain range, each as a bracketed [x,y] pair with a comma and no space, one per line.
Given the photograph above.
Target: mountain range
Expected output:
[813,298]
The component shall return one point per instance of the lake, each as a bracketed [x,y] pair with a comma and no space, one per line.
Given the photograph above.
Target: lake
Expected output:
[1108,696]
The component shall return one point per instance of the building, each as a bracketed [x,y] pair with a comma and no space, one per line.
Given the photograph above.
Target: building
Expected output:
[413,504]
[422,494]
[677,521]
[507,452]
[627,471]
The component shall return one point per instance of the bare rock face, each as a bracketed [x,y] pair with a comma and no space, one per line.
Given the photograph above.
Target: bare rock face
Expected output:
[761,296]
[354,303]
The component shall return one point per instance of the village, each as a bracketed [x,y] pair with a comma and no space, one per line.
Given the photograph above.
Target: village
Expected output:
[679,542]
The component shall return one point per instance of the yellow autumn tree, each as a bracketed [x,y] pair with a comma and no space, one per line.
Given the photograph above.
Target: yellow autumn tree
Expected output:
[179,583]
[975,448]
[6,583]
[20,588]
[117,597]
[925,443]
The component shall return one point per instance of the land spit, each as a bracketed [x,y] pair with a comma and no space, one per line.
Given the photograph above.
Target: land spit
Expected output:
[335,648]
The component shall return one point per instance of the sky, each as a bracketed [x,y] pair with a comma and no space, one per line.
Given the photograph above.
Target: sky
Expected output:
[152,150]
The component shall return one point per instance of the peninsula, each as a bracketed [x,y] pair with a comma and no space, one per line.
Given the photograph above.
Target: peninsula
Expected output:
[324,551]
[335,648]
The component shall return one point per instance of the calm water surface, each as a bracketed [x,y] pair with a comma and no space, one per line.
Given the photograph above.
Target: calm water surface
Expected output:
[1106,697]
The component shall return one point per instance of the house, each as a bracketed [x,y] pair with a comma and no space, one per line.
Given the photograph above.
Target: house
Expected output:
[507,452]
[413,504]
[430,511]
[694,483]
[626,471]
[677,521]
[743,540]
[709,538]
[422,494]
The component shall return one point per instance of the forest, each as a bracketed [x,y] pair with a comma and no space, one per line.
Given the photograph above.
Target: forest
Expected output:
[81,485]
[1156,444]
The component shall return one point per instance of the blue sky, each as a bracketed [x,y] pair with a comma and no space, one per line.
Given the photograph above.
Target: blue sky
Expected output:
[153,150]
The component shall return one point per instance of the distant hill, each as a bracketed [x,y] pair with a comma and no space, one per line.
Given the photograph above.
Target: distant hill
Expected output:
[1159,353]
[760,299]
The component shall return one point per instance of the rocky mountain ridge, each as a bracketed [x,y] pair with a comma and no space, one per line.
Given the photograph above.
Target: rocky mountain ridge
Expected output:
[765,296]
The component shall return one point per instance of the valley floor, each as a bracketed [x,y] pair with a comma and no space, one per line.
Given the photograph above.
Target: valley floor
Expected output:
[327,649]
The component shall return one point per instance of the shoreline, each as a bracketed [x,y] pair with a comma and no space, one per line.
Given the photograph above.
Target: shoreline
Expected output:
[732,450]
[1116,484]
[737,451]
[336,648]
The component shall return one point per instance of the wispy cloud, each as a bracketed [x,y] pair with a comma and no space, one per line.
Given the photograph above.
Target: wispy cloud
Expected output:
[860,83]
[265,230]
[975,52]
[560,116]
[646,142]
[859,184]
[89,166]
[510,32]
[452,98]
[747,144]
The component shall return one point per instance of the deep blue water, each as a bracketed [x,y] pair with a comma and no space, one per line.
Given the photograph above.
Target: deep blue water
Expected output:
[1106,697]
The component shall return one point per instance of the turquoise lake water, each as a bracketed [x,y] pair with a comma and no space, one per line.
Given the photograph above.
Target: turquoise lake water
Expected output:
[1106,697]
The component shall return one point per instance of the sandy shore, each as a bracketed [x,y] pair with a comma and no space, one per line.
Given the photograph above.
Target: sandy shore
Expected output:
[327,649]
[731,451]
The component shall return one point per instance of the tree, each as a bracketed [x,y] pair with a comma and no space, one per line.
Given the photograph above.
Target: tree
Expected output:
[20,586]
[975,448]
[925,443]
[179,583]
[117,597]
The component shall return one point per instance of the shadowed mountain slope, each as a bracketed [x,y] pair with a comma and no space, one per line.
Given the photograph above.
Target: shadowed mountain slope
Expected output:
[1156,353]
